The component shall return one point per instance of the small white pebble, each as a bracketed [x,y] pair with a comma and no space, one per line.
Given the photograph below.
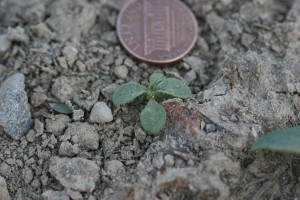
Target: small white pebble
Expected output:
[101,113]
[121,72]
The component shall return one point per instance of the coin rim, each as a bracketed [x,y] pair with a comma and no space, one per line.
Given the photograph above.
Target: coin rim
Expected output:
[131,52]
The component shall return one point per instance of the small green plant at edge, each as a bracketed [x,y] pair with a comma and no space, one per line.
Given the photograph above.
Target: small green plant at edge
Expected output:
[153,116]
[285,140]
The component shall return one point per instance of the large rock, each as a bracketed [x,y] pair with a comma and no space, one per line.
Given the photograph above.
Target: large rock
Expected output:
[3,190]
[15,117]
[251,95]
[75,173]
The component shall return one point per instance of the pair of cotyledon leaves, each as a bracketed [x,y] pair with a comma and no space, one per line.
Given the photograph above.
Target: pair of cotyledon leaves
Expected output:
[153,116]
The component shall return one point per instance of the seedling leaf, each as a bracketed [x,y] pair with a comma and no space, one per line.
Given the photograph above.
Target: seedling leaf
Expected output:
[153,117]
[61,108]
[162,96]
[284,140]
[175,88]
[127,93]
[138,100]
[154,78]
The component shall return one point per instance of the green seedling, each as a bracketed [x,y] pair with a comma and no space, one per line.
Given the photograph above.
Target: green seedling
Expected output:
[283,140]
[153,116]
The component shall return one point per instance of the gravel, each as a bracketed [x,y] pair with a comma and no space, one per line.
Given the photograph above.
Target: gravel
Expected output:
[244,69]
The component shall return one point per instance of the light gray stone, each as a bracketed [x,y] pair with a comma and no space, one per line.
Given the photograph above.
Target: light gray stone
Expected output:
[37,99]
[109,90]
[62,62]
[67,149]
[86,100]
[15,117]
[3,190]
[210,127]
[17,34]
[117,4]
[81,66]
[27,175]
[247,39]
[83,134]
[140,134]
[78,114]
[75,195]
[57,124]
[31,135]
[62,89]
[41,30]
[190,76]
[75,173]
[169,160]
[70,54]
[5,169]
[121,72]
[35,13]
[114,168]
[193,61]
[158,160]
[101,113]
[128,62]
[55,195]
[5,43]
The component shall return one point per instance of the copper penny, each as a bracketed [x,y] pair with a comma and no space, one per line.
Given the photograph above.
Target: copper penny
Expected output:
[157,31]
